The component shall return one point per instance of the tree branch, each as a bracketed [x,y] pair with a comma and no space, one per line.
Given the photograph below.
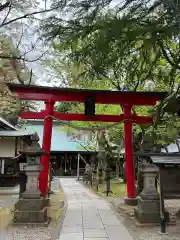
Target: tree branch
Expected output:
[30,79]
[167,57]
[113,83]
[15,67]
[9,10]
[20,39]
[137,85]
[28,15]
[5,5]
[21,57]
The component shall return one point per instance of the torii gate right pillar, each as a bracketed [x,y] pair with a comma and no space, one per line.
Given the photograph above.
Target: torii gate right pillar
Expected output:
[129,158]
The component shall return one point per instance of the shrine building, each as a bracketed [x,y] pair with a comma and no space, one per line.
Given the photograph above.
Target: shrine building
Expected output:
[65,147]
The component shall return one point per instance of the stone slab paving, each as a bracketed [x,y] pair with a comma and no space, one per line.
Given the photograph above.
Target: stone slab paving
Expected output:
[88,216]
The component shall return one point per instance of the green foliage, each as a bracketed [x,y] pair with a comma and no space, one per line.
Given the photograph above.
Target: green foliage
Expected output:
[133,46]
[64,107]
[123,43]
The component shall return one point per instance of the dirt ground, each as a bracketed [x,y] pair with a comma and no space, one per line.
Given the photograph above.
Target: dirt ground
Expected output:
[151,232]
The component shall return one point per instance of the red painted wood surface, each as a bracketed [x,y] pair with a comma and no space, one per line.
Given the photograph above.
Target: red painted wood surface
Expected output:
[45,160]
[81,117]
[129,158]
[76,95]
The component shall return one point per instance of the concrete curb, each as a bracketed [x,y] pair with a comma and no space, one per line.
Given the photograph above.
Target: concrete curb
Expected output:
[56,235]
[61,219]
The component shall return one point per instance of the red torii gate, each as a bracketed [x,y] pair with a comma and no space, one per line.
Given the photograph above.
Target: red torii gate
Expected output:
[50,95]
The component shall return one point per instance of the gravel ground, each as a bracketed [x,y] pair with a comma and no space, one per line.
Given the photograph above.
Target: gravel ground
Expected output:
[151,232]
[9,231]
[45,233]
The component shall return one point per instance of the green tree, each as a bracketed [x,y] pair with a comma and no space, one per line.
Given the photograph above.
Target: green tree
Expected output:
[131,47]
[12,70]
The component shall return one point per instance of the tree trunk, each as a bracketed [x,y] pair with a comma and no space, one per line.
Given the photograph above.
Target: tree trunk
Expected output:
[97,179]
[108,187]
[108,180]
[117,171]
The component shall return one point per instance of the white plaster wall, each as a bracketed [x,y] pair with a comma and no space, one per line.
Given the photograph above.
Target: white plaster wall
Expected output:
[7,147]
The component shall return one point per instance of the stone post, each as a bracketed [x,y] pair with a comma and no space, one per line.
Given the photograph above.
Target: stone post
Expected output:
[148,209]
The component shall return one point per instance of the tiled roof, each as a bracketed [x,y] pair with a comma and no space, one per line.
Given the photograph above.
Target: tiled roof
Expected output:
[15,133]
[8,130]
[4,125]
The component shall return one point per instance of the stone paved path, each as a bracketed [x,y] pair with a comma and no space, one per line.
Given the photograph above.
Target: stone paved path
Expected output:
[88,216]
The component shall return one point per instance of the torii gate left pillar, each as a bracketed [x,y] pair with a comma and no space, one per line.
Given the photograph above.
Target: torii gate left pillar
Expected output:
[47,136]
[129,157]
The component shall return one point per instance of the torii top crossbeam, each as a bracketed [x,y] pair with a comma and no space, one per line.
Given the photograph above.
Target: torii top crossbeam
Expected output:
[41,93]
[126,99]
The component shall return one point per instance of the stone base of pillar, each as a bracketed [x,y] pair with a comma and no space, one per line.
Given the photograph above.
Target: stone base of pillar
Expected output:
[31,211]
[131,201]
[148,211]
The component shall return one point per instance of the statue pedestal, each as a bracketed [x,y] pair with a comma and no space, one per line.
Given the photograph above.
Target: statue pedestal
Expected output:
[148,209]
[31,207]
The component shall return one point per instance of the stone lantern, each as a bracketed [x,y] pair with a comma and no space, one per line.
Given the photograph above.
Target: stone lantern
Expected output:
[148,209]
[33,154]
[149,175]
[32,207]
